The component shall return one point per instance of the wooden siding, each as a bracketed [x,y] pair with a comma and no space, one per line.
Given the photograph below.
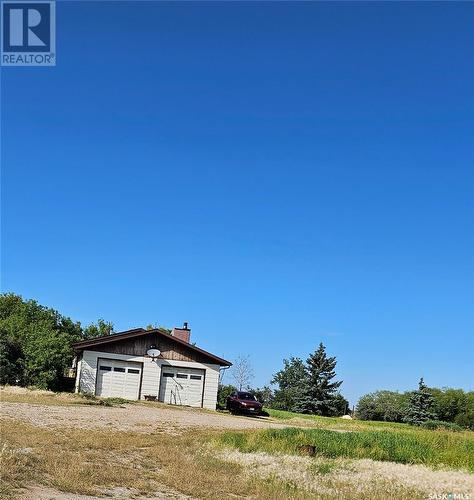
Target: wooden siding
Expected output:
[139,345]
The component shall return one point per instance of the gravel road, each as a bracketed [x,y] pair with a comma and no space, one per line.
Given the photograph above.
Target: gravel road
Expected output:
[133,417]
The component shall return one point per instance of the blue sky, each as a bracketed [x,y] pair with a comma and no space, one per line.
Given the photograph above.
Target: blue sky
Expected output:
[276,174]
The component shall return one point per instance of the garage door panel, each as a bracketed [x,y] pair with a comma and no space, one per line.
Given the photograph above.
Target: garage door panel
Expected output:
[118,379]
[181,386]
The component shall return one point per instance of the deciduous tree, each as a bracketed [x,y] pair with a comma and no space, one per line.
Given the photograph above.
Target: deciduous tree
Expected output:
[99,329]
[35,342]
[388,406]
[242,372]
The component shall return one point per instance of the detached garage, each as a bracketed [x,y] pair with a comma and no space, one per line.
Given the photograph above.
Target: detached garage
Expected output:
[149,364]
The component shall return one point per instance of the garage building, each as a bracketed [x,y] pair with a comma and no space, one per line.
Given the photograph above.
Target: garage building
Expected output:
[149,364]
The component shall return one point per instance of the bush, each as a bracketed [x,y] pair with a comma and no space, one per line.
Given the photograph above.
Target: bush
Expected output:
[466,419]
[223,393]
[264,395]
[440,424]
[387,406]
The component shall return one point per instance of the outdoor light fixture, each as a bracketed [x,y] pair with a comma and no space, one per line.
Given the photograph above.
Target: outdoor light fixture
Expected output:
[153,352]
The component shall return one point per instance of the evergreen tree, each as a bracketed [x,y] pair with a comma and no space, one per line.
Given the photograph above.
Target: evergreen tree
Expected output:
[292,383]
[320,396]
[420,406]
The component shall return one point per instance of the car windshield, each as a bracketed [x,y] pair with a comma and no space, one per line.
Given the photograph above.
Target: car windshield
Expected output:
[246,395]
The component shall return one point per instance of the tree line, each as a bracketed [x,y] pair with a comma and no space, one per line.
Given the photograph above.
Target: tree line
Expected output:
[36,350]
[309,387]
[429,405]
[302,386]
[36,342]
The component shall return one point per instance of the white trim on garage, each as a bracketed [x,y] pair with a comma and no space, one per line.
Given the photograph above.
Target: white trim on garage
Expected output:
[151,374]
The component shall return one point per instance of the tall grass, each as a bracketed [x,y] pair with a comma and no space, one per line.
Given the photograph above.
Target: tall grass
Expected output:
[433,448]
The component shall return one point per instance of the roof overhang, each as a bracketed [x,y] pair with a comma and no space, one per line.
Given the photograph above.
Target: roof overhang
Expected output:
[138,332]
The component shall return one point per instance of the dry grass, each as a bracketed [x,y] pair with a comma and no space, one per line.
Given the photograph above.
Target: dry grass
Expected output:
[325,478]
[14,394]
[342,478]
[95,462]
[61,455]
[92,462]
[15,468]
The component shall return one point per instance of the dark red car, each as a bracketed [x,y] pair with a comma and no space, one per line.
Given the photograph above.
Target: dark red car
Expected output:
[244,402]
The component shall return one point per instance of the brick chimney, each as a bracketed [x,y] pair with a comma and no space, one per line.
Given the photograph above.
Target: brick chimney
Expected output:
[182,333]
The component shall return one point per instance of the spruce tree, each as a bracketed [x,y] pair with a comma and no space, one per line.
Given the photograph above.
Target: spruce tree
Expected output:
[420,406]
[292,382]
[320,396]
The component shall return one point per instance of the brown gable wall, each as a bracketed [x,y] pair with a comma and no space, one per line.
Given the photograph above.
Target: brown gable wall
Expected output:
[139,345]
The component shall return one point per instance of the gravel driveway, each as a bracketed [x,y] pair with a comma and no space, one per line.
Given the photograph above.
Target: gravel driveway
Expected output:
[134,417]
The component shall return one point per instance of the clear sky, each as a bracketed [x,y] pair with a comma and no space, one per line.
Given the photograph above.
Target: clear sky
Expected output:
[276,174]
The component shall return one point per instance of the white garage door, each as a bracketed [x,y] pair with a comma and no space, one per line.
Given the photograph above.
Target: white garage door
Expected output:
[181,386]
[119,379]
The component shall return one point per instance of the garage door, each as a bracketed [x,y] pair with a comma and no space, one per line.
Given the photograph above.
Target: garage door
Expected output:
[120,379]
[181,386]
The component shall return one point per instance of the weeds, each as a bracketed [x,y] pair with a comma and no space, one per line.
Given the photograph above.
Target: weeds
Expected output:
[323,468]
[455,450]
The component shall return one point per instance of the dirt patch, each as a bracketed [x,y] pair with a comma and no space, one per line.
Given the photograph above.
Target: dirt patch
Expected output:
[368,477]
[135,418]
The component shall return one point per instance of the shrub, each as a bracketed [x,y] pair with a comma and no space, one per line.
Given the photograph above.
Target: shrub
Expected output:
[440,424]
[388,406]
[223,393]
[466,419]
[264,395]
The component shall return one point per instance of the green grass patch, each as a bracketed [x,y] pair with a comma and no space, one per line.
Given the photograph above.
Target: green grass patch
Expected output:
[323,468]
[433,448]
[333,421]
[439,424]
[94,400]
